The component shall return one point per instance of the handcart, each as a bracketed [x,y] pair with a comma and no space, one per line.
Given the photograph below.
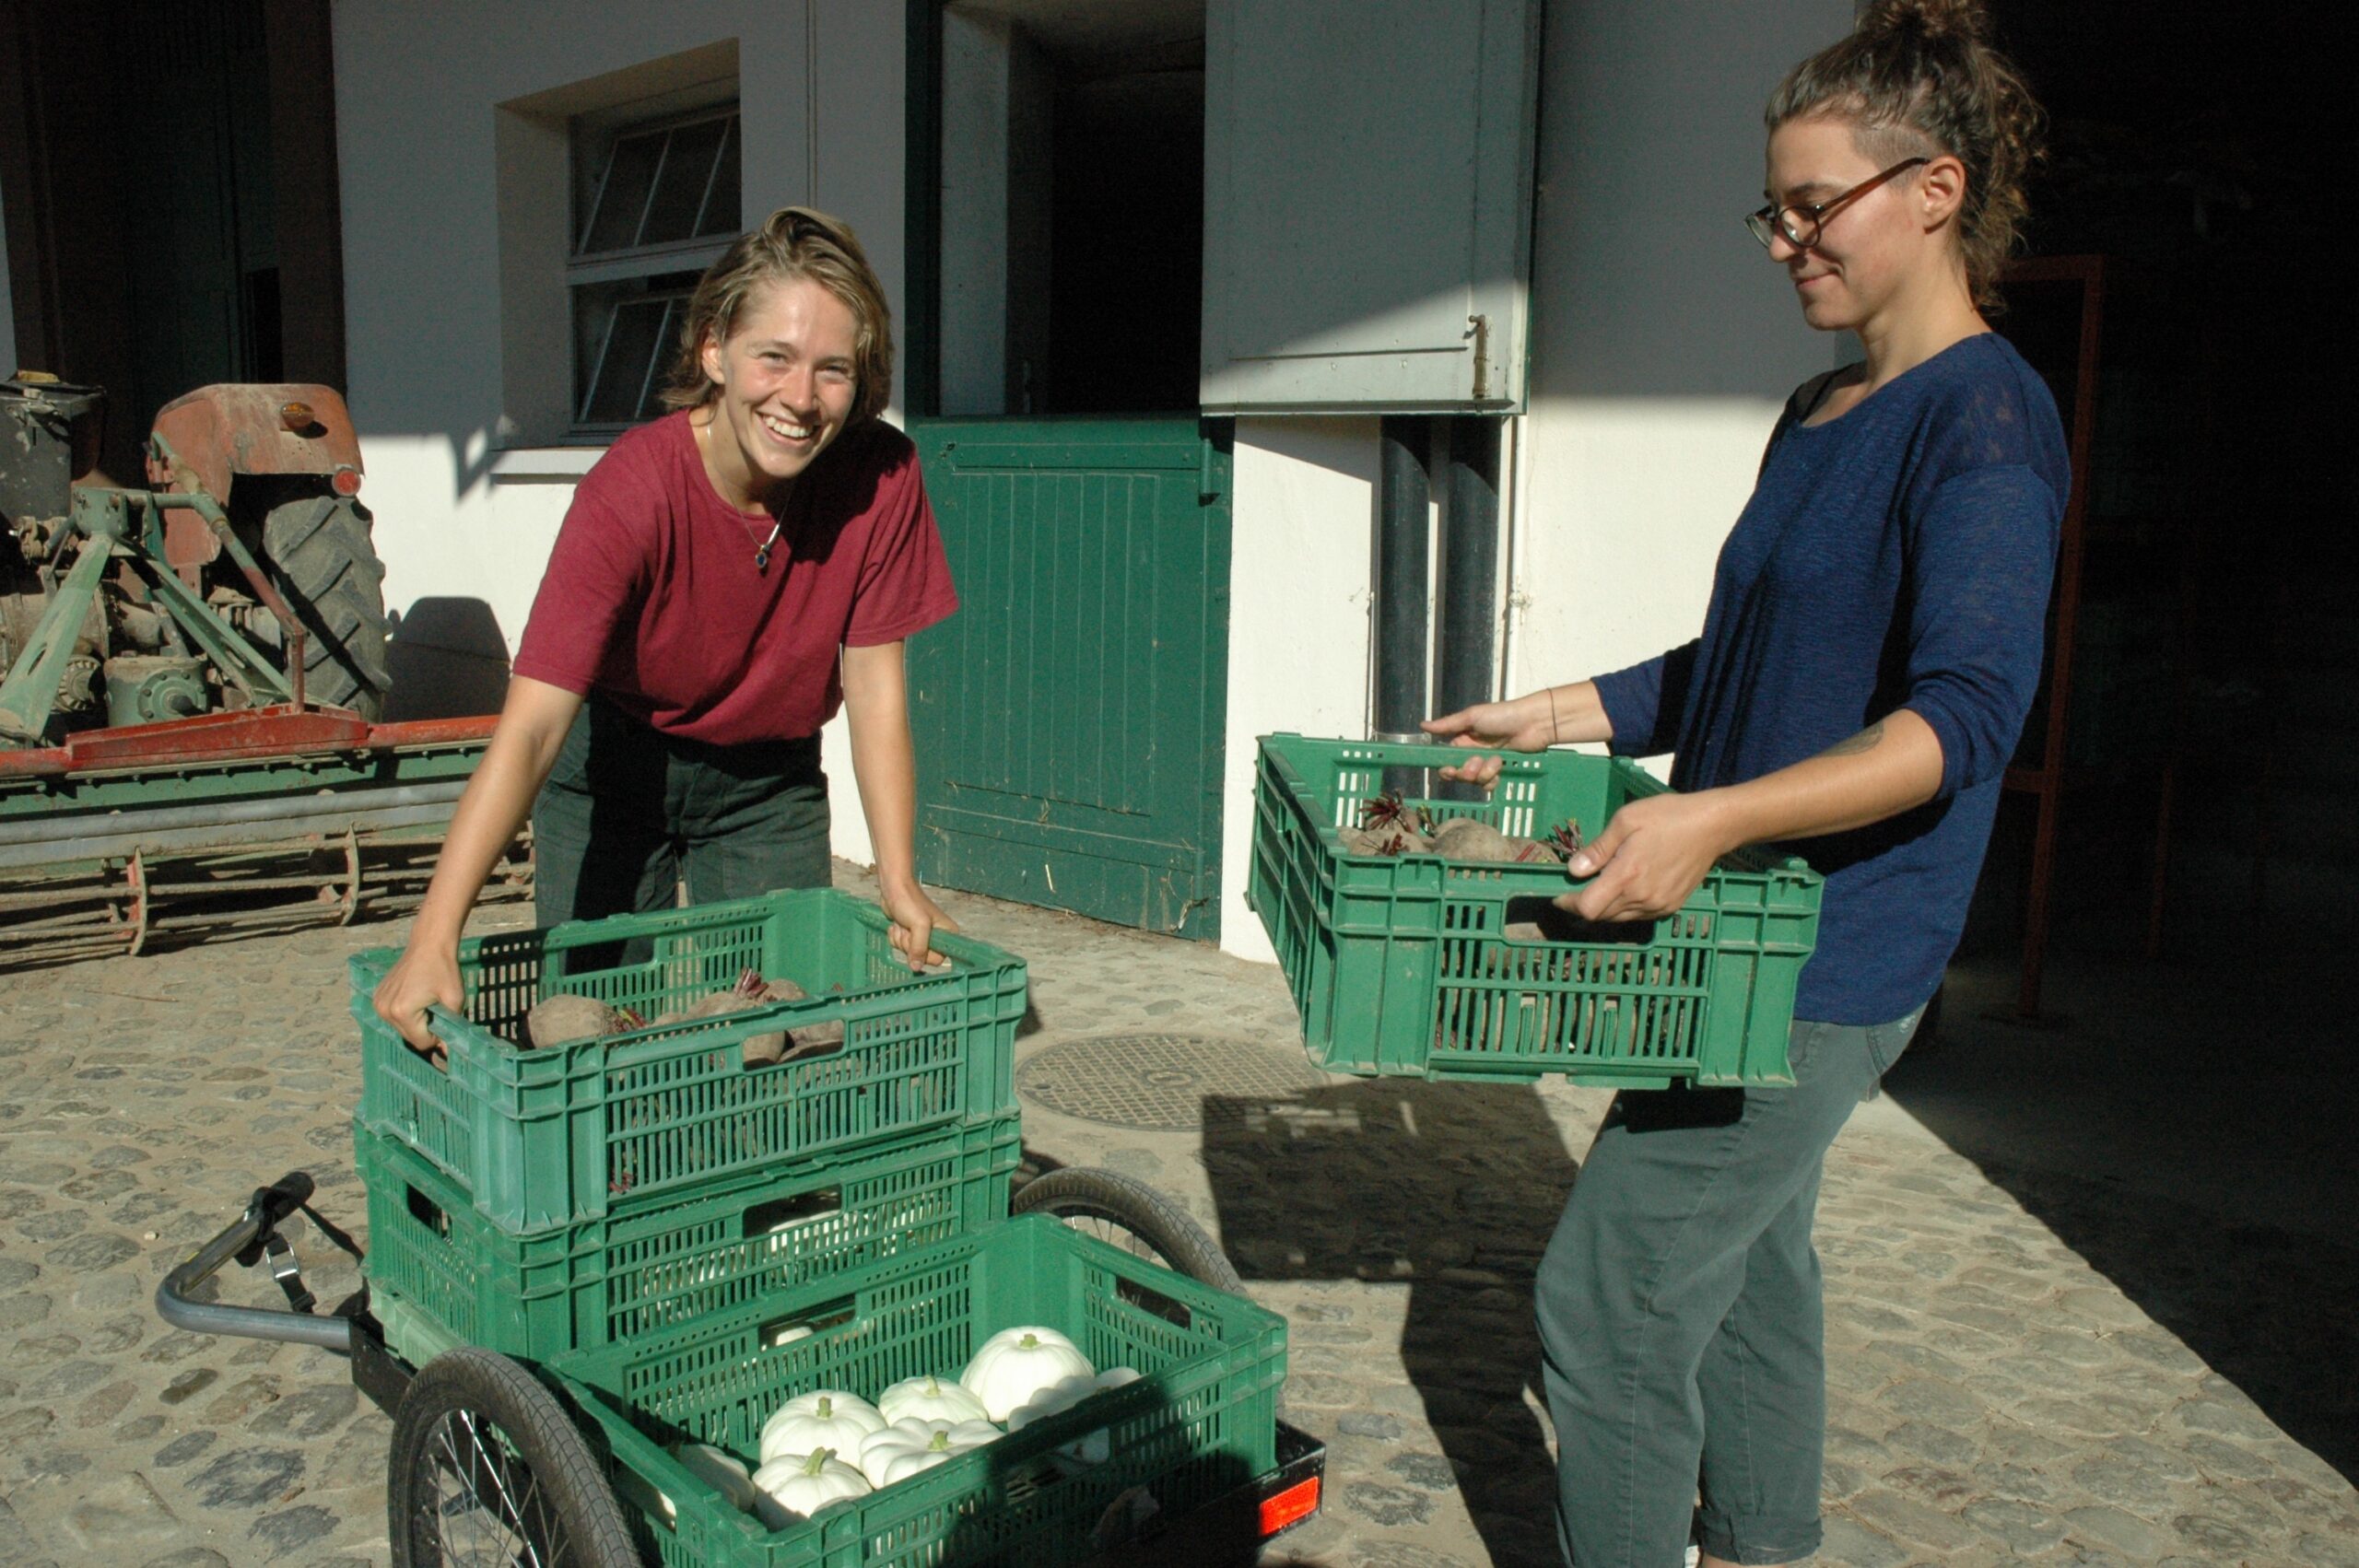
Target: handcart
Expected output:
[560,1454]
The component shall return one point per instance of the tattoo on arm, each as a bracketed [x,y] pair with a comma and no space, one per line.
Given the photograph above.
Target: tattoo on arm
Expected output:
[1864,740]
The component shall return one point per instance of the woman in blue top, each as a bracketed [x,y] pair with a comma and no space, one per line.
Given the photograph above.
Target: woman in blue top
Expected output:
[1872,648]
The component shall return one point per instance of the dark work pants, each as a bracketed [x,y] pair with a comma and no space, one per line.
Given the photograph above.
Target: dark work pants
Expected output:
[1681,1325]
[629,811]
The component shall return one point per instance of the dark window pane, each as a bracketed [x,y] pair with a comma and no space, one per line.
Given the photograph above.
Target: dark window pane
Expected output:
[679,189]
[650,403]
[720,207]
[622,195]
[634,337]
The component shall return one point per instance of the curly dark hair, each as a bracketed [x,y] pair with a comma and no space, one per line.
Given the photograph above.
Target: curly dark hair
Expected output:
[1920,76]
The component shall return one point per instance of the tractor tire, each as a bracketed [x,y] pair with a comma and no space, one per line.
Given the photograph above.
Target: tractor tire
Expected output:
[329,571]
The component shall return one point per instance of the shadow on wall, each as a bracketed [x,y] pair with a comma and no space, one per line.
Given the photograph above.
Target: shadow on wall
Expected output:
[448,661]
[1453,1190]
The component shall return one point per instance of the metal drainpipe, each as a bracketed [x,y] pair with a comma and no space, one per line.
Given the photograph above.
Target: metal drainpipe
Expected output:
[1403,495]
[1466,641]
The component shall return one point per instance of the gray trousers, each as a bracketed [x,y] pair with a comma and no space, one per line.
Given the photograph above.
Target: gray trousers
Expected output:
[627,812]
[1681,1326]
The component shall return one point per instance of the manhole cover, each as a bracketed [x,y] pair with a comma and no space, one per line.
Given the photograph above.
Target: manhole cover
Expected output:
[1158,1082]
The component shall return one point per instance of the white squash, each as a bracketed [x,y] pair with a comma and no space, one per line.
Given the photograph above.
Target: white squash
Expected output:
[719,1468]
[1016,1363]
[825,1417]
[1094,1448]
[930,1399]
[911,1445]
[793,1490]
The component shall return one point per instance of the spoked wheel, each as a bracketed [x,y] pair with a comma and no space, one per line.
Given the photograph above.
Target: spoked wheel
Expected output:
[487,1471]
[1128,1213]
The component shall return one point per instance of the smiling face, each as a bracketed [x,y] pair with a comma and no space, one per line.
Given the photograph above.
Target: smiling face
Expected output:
[786,384]
[1875,250]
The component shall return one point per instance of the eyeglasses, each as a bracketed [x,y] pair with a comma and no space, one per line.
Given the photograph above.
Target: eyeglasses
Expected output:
[1800,225]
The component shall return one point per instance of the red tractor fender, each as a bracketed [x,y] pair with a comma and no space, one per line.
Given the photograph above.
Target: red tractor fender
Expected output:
[219,432]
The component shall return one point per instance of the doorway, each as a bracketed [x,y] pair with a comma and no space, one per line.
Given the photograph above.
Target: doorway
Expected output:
[170,188]
[1069,719]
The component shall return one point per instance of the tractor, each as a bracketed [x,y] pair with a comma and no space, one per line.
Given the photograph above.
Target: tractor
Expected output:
[193,678]
[242,576]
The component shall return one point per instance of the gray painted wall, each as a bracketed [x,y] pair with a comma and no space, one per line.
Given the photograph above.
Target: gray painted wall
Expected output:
[7,306]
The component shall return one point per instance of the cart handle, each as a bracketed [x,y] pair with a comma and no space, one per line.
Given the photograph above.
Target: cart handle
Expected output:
[246,1239]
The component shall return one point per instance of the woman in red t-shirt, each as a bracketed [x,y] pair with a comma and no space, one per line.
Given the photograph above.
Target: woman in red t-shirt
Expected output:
[726,577]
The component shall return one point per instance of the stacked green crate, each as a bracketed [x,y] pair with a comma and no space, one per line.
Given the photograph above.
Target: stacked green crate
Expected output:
[1201,1421]
[563,1133]
[535,1202]
[441,1275]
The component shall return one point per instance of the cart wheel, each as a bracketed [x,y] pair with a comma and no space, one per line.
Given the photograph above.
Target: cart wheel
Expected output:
[1128,1213]
[486,1467]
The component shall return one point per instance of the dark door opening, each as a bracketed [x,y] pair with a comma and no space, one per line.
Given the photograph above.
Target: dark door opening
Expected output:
[1073,192]
[172,210]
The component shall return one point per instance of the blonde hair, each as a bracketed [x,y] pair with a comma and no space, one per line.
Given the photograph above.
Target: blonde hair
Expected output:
[1920,77]
[796,242]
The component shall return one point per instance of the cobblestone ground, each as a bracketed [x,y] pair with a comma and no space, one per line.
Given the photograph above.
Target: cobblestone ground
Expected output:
[1994,1397]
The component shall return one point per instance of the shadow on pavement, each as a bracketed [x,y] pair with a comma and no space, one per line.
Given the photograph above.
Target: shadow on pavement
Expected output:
[2188,1130]
[1451,1189]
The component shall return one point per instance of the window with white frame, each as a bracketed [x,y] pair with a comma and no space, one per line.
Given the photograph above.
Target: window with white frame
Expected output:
[655,203]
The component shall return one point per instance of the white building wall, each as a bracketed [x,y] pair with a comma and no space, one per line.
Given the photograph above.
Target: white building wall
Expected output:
[1304,501]
[462,515]
[1664,340]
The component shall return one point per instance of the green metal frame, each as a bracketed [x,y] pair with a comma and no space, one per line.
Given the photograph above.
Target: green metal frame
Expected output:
[102,519]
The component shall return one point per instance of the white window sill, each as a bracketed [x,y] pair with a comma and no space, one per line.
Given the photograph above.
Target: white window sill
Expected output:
[543,465]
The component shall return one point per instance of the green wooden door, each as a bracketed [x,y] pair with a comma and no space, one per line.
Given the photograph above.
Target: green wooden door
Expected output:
[1068,720]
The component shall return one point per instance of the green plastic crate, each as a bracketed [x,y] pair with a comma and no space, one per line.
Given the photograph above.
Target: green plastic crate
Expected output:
[546,1136]
[1402,967]
[441,1274]
[1200,1421]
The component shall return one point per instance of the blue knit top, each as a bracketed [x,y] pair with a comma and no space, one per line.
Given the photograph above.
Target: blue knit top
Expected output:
[1898,555]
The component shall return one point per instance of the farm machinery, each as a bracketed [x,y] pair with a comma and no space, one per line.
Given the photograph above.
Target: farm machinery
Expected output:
[192,679]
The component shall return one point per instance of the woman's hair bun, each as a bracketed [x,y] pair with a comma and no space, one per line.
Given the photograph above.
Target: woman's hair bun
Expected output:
[1965,21]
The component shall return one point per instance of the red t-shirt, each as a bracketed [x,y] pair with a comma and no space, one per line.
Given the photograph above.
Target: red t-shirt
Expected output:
[652,595]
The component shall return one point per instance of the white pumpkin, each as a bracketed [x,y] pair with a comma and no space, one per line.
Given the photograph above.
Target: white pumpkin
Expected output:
[930,1399]
[1016,1363]
[825,1417]
[793,1490]
[1096,1447]
[719,1468]
[908,1446]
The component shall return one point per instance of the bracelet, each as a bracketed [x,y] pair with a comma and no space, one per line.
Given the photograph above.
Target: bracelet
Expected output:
[1555,735]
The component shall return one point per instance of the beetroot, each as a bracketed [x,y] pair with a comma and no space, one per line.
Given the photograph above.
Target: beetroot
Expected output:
[1464,838]
[561,1020]
[763,1050]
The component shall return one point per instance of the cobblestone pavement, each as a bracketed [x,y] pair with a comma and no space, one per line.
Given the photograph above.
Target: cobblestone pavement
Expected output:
[1994,1396]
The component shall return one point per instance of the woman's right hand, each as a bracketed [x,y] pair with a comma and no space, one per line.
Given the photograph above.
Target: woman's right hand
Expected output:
[425,975]
[1523,724]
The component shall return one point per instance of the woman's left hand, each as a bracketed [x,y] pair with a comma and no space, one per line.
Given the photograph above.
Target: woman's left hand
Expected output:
[915,920]
[1650,856]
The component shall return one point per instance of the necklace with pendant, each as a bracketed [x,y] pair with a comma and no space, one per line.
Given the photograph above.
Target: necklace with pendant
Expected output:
[762,553]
